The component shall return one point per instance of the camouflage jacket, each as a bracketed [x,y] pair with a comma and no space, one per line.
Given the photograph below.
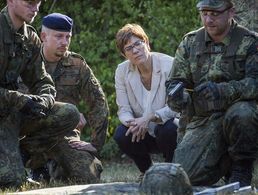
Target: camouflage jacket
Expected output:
[246,13]
[75,82]
[20,56]
[234,66]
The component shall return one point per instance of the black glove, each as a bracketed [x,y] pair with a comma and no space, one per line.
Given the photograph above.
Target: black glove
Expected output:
[176,97]
[33,108]
[209,90]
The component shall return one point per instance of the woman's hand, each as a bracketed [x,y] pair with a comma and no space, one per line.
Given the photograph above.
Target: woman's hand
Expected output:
[138,127]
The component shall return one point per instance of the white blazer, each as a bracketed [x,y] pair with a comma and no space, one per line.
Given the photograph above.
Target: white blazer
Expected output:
[129,91]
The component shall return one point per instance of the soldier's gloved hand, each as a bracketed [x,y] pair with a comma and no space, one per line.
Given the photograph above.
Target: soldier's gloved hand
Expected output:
[209,90]
[178,100]
[33,108]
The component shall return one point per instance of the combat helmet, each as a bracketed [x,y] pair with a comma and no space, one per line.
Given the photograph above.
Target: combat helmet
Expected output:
[166,178]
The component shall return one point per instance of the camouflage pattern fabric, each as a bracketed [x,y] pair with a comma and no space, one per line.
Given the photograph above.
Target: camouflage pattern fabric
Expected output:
[39,137]
[75,83]
[247,13]
[19,56]
[50,140]
[166,178]
[214,133]
[12,172]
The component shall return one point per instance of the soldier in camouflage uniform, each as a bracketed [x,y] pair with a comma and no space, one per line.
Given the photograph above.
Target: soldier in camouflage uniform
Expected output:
[41,126]
[75,83]
[217,65]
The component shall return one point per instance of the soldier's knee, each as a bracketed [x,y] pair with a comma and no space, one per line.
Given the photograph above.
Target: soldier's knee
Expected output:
[67,112]
[78,165]
[89,171]
[96,168]
[240,112]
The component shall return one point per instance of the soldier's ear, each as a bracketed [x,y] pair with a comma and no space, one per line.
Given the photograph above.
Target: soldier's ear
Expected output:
[43,36]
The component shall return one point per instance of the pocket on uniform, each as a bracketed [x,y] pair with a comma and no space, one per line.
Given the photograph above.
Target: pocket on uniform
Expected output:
[68,80]
[67,88]
[239,66]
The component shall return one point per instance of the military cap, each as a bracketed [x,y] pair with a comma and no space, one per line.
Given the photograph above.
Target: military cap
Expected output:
[58,22]
[213,4]
[166,178]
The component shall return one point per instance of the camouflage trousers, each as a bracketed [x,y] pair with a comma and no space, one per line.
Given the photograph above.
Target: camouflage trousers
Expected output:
[44,139]
[210,144]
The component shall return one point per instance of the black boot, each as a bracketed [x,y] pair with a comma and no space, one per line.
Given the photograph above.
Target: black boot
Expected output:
[242,172]
[40,174]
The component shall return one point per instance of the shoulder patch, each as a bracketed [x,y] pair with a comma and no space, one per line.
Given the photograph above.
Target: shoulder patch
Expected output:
[72,58]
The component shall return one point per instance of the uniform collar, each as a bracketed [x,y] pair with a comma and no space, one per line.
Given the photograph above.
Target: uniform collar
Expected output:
[65,59]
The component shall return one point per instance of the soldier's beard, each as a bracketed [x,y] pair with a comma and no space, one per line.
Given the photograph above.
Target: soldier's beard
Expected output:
[60,53]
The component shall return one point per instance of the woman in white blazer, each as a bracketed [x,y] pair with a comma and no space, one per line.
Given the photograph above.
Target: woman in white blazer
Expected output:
[148,124]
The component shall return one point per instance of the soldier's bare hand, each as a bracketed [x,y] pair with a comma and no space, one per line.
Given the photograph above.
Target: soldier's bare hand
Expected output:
[82,145]
[81,123]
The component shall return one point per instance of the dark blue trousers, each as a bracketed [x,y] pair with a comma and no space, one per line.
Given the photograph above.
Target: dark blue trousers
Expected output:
[164,142]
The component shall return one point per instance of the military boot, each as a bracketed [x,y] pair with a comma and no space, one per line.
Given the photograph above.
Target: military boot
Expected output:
[242,172]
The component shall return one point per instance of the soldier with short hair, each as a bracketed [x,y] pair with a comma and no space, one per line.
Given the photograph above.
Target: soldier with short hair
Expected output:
[75,83]
[217,65]
[74,80]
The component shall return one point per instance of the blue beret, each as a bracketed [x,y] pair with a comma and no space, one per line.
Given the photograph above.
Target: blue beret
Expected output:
[58,22]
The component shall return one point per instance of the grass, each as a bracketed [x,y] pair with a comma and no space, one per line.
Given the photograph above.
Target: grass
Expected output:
[118,170]
[121,171]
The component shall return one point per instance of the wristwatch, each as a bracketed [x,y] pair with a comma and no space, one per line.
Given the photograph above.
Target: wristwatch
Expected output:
[157,117]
